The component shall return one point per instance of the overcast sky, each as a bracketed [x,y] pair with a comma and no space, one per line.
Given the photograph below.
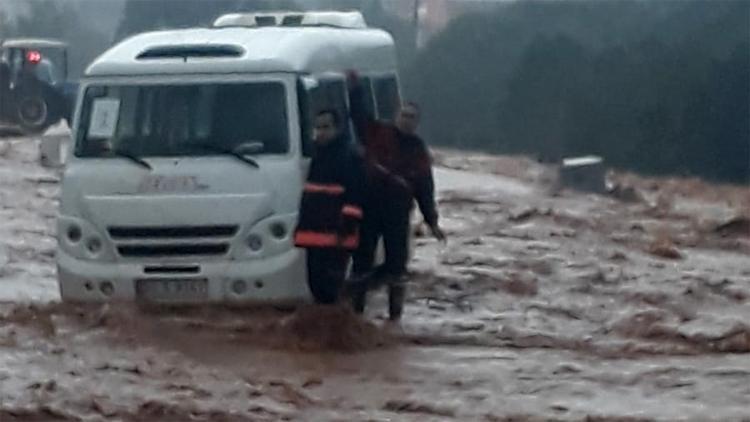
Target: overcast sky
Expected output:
[102,14]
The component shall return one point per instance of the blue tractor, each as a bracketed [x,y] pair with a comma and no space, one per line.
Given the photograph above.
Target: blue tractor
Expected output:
[34,89]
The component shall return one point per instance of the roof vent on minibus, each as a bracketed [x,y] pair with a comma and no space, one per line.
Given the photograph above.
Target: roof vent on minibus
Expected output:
[188,51]
[335,19]
[292,20]
[266,20]
[272,20]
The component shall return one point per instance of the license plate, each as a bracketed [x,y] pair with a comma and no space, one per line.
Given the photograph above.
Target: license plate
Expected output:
[172,291]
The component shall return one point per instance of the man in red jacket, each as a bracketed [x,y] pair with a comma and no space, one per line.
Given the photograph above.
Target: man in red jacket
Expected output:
[399,171]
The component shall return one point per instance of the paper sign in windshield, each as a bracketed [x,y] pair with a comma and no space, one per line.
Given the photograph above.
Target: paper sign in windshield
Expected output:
[104,116]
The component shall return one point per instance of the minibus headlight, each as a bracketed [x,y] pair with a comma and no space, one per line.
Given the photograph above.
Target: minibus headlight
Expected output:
[255,242]
[74,233]
[80,239]
[266,238]
[94,245]
[279,231]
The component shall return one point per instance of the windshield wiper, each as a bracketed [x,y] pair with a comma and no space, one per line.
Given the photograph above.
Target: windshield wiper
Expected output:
[134,158]
[245,159]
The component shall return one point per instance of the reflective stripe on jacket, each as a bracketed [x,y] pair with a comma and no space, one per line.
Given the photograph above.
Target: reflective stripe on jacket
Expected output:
[326,220]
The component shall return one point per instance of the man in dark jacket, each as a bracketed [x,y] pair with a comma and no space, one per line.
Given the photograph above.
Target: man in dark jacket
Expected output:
[330,210]
[399,170]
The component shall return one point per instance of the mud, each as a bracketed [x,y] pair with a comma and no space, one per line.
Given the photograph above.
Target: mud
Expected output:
[544,305]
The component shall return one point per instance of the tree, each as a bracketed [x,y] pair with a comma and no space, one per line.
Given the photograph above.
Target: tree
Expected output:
[543,97]
[659,87]
[716,131]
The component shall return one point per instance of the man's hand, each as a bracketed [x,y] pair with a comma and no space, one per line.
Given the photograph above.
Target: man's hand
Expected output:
[438,233]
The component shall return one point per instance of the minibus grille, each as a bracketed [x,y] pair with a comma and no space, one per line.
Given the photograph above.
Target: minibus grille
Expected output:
[172,241]
[171,232]
[146,251]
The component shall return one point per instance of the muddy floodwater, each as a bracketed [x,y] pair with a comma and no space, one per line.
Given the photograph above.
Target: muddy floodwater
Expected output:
[545,304]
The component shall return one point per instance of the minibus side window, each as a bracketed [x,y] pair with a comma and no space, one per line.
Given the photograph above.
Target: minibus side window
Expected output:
[387,97]
[366,83]
[333,95]
[330,94]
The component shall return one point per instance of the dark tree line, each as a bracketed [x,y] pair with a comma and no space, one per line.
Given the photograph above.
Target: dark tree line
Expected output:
[657,87]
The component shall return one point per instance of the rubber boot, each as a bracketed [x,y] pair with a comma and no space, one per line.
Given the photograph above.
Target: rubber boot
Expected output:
[396,297]
[357,290]
[359,298]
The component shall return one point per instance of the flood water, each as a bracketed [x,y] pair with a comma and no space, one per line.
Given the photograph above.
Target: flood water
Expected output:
[545,304]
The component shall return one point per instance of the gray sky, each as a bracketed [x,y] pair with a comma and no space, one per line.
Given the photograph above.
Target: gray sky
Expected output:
[102,14]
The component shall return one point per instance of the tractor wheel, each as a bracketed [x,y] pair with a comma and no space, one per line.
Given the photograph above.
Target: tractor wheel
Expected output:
[33,114]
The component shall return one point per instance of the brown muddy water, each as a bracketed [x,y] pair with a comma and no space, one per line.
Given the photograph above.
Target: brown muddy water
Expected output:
[544,305]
